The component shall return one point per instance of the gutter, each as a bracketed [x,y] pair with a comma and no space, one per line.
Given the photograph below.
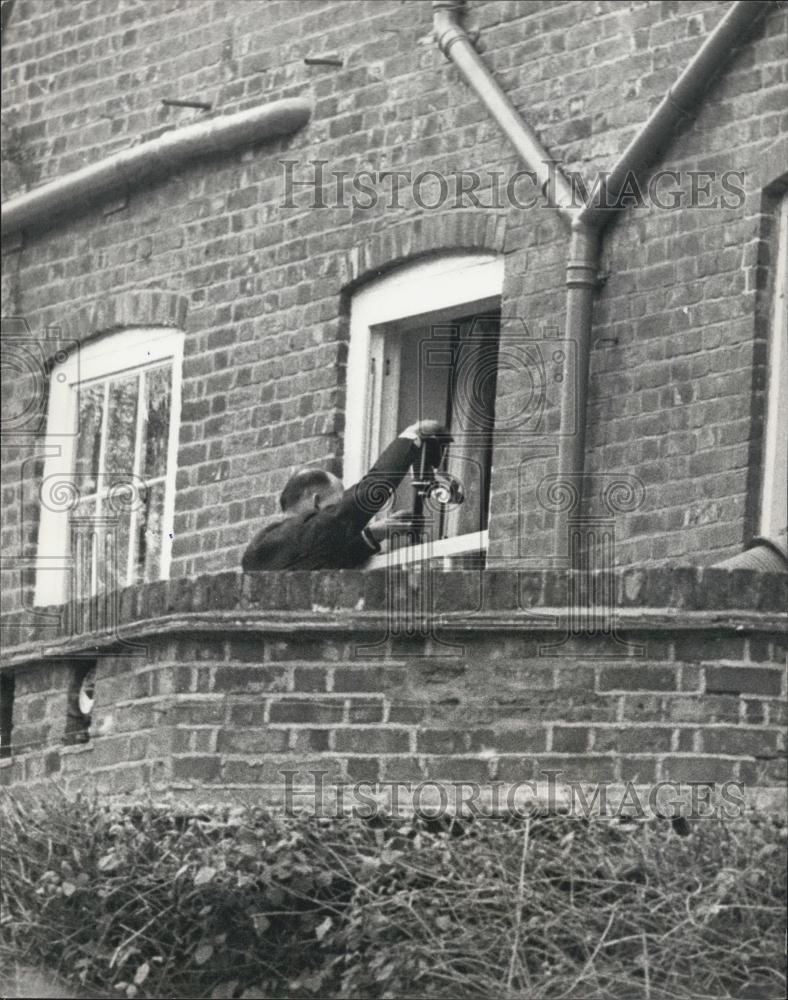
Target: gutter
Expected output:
[588,221]
[131,168]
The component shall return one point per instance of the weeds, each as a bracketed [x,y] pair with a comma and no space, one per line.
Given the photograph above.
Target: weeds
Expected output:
[149,901]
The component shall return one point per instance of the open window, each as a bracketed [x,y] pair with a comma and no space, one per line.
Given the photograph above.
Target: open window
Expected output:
[424,344]
[107,496]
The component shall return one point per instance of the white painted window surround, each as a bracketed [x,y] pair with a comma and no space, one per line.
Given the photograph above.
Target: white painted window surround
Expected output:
[440,283]
[774,503]
[92,368]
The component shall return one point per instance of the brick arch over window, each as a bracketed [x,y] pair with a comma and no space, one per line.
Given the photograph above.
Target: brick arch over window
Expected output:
[143,307]
[477,230]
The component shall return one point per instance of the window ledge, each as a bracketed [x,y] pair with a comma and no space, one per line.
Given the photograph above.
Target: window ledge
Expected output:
[680,597]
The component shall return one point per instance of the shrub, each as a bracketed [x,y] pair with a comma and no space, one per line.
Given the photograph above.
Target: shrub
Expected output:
[154,902]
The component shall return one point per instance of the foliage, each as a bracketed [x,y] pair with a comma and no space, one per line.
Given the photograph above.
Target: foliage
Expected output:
[149,901]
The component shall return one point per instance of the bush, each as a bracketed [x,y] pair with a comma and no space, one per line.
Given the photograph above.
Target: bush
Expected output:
[150,902]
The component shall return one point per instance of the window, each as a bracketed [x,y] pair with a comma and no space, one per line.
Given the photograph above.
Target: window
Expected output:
[424,344]
[81,697]
[107,496]
[774,505]
[7,685]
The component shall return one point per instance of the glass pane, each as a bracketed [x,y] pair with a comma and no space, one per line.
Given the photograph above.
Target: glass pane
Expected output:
[149,534]
[122,426]
[83,549]
[473,419]
[90,408]
[157,423]
[113,548]
[423,394]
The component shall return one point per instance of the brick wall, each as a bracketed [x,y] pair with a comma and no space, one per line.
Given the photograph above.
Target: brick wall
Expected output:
[233,679]
[676,392]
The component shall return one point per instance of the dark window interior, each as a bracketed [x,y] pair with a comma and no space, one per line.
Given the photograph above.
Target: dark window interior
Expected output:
[7,688]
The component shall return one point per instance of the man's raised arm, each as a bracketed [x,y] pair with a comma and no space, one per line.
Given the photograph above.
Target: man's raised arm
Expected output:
[361,502]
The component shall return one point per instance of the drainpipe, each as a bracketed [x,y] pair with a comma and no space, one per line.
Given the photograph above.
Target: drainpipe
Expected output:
[680,102]
[588,222]
[581,281]
[457,46]
[130,168]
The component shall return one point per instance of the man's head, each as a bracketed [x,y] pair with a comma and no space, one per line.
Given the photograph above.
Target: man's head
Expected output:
[310,489]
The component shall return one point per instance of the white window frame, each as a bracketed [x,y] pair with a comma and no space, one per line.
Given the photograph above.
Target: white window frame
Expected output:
[774,499]
[410,291]
[112,355]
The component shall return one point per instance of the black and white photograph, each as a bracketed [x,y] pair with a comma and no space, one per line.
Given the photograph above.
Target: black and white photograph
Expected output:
[394,528]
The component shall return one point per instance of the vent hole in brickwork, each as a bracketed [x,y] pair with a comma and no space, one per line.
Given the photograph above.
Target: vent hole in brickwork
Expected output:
[81,698]
[7,690]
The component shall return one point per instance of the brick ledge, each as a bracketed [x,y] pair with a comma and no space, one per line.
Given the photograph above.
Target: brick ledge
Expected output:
[688,598]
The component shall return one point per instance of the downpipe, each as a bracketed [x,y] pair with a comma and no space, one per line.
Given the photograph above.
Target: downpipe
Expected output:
[587,222]
[455,43]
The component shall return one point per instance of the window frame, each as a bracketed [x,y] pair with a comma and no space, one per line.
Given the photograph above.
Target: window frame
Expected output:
[113,355]
[428,286]
[775,457]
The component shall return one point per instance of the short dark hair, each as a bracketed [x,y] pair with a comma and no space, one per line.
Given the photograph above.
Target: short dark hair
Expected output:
[301,483]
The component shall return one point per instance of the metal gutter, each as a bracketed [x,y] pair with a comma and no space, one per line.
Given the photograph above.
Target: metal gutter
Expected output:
[131,168]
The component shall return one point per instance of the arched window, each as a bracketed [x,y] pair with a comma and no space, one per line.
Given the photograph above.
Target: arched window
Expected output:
[108,492]
[424,344]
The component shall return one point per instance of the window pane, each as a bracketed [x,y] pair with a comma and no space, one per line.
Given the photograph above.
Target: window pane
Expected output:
[422,394]
[157,423]
[90,404]
[149,537]
[122,426]
[473,419]
[448,372]
[83,530]
[113,548]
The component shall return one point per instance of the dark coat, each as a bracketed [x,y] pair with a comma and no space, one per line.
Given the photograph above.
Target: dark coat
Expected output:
[331,537]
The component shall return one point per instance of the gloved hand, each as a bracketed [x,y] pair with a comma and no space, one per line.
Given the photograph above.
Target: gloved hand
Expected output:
[424,429]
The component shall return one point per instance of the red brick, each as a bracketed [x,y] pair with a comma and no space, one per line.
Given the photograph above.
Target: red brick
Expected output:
[634,739]
[743,680]
[585,768]
[637,678]
[242,772]
[570,739]
[740,742]
[366,711]
[252,678]
[199,769]
[697,770]
[309,740]
[306,711]
[456,768]
[252,741]
[406,714]
[451,741]
[363,768]
[708,648]
[367,679]
[377,741]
